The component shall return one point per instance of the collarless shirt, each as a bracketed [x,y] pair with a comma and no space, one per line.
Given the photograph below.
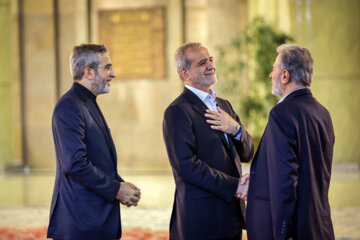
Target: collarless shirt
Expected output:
[89,95]
[85,91]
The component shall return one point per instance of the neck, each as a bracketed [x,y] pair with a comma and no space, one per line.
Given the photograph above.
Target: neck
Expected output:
[86,84]
[291,87]
[200,87]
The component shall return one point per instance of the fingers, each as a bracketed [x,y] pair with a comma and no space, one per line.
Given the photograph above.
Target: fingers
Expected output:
[215,123]
[220,110]
[133,201]
[243,186]
[128,194]
[212,114]
[244,179]
[221,121]
[133,186]
[242,196]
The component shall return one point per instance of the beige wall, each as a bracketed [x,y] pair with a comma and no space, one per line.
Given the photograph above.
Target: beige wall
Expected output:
[331,30]
[134,109]
[39,81]
[6,126]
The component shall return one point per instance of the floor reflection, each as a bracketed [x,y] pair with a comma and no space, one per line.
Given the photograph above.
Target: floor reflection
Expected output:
[25,200]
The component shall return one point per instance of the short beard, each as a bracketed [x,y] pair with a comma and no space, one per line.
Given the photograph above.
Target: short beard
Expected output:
[99,85]
[276,88]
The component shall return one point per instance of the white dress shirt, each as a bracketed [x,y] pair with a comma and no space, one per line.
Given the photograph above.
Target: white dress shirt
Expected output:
[209,99]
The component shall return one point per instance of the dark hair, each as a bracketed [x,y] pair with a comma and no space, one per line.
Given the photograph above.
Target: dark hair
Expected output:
[298,61]
[85,55]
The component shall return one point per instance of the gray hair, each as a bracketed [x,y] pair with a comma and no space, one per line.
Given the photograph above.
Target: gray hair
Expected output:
[298,62]
[181,61]
[85,55]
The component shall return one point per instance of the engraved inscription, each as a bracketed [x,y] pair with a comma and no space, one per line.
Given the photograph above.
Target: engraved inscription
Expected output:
[136,41]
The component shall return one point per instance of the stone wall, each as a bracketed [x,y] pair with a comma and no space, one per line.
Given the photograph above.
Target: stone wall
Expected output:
[134,108]
[331,30]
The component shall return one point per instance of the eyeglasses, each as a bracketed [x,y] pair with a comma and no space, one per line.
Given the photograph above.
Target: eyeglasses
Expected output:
[107,67]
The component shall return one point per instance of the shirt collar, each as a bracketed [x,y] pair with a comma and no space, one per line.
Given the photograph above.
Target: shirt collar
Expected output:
[282,99]
[204,96]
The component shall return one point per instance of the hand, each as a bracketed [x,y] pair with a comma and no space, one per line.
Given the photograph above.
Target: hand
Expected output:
[128,194]
[243,186]
[221,121]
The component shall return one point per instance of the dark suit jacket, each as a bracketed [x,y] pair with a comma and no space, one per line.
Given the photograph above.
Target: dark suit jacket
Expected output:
[204,169]
[83,204]
[290,173]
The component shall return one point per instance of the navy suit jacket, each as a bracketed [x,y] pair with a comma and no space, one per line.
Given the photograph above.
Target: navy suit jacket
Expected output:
[83,204]
[290,173]
[205,171]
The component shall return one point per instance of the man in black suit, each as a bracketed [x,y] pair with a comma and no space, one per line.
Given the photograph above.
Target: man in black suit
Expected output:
[204,160]
[88,189]
[290,173]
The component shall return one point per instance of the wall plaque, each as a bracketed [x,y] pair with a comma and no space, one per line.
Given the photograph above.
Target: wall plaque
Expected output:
[136,41]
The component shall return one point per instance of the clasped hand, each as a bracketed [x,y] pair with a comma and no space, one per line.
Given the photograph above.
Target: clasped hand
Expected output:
[128,194]
[243,186]
[221,121]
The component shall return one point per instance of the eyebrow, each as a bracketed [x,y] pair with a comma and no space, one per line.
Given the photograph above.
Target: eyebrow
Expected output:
[202,61]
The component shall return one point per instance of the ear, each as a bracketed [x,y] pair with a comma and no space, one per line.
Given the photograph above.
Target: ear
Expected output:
[285,77]
[89,73]
[184,74]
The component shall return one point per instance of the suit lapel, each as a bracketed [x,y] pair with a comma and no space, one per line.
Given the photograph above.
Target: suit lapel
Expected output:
[201,108]
[225,108]
[102,125]
[81,92]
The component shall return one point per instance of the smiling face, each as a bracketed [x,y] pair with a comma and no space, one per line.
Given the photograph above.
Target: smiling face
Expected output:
[201,73]
[104,74]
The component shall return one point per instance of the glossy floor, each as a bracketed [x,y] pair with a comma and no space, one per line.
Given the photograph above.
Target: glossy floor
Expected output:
[25,199]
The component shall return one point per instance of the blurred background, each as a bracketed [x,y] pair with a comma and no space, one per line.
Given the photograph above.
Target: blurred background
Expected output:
[37,37]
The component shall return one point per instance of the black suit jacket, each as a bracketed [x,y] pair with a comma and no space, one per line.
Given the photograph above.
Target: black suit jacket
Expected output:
[205,171]
[83,204]
[290,173]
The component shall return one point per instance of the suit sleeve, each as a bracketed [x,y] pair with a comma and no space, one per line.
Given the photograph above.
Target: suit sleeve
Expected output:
[244,146]
[182,151]
[69,134]
[282,171]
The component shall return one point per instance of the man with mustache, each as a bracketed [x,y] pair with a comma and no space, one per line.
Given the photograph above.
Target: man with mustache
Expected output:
[205,161]
[88,189]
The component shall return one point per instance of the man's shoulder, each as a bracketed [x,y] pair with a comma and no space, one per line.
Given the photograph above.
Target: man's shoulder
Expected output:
[69,100]
[179,101]
[180,106]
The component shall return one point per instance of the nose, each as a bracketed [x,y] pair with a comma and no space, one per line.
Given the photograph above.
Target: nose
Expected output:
[210,65]
[270,75]
[112,73]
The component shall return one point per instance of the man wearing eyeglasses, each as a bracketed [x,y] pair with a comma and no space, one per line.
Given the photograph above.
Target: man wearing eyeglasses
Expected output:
[88,189]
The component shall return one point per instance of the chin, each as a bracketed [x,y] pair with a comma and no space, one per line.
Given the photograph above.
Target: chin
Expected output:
[106,90]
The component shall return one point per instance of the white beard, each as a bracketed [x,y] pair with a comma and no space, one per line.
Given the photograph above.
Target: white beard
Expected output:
[276,87]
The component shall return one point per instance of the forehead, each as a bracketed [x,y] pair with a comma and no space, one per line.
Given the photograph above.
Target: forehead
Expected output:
[197,54]
[277,60]
[104,57]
